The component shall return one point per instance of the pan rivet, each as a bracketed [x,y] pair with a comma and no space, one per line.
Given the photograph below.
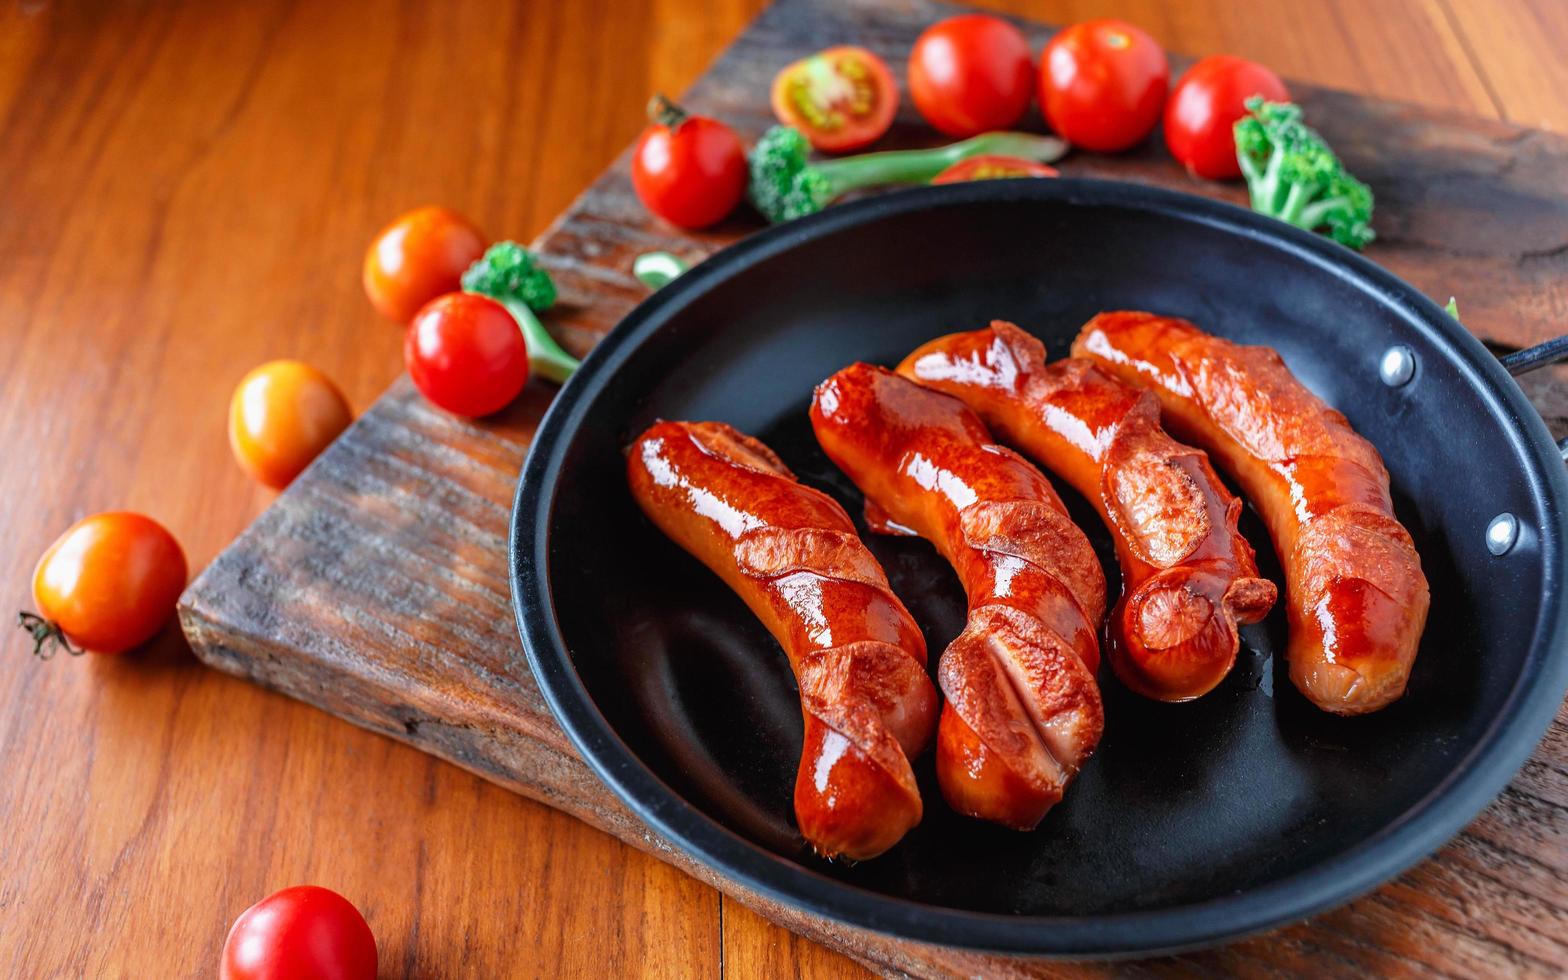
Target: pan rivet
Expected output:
[1397,366]
[1502,533]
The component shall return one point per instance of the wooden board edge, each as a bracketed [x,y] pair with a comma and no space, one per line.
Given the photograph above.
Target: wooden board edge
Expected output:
[557,781]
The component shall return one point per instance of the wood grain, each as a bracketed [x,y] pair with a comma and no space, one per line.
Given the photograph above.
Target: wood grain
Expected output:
[1517,46]
[350,590]
[186,192]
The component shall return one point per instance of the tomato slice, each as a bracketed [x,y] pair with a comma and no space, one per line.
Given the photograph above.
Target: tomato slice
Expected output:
[842,98]
[993,166]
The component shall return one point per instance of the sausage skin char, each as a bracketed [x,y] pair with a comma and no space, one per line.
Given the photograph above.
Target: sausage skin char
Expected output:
[793,555]
[1356,596]
[1022,709]
[1188,576]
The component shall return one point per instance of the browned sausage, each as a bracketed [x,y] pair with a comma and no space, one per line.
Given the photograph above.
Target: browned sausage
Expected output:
[1023,711]
[793,555]
[1188,577]
[1357,596]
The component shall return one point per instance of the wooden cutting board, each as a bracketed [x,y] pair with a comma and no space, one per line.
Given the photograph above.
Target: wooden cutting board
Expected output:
[376,586]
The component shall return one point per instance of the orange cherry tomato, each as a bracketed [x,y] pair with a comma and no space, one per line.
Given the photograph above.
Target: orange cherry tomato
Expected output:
[281,416]
[1103,84]
[842,98]
[418,257]
[993,166]
[107,584]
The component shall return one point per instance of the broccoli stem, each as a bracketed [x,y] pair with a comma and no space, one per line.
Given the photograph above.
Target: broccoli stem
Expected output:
[545,356]
[919,166]
[1250,173]
[1265,193]
[1296,201]
[1317,212]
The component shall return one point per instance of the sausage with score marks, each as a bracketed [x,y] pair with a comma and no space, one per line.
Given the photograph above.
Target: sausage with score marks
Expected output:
[1188,577]
[1023,710]
[793,555]
[1357,598]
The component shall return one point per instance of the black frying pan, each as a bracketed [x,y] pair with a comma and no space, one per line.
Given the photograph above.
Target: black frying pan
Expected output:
[1194,822]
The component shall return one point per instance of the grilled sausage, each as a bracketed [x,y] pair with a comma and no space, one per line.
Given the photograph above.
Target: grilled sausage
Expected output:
[1357,597]
[1188,577]
[793,555]
[1023,711]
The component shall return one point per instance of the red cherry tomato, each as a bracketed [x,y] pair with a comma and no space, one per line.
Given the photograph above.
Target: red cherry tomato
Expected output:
[1102,84]
[282,415]
[300,932]
[993,166]
[107,584]
[1205,105]
[466,354]
[418,257]
[971,74]
[688,170]
[842,98]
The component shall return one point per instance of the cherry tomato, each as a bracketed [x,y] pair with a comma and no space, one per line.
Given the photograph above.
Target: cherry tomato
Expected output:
[300,932]
[993,166]
[466,354]
[418,257]
[971,74]
[688,170]
[107,584]
[282,415]
[1205,105]
[842,98]
[1102,84]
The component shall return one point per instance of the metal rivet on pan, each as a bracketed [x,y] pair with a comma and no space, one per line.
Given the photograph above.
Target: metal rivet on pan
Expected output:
[1397,366]
[1502,533]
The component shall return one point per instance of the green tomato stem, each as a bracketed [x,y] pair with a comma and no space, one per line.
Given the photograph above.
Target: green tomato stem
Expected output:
[545,356]
[48,638]
[919,166]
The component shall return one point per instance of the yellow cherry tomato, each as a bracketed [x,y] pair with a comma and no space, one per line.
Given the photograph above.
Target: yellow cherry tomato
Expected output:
[282,414]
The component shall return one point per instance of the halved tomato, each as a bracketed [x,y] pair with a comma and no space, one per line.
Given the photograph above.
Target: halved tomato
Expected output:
[993,166]
[842,98]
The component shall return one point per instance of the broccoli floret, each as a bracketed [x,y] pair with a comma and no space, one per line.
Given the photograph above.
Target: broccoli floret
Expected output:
[785,183]
[510,274]
[507,269]
[1293,175]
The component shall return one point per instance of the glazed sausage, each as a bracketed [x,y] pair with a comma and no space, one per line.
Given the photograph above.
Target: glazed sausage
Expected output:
[1023,711]
[1188,577]
[793,555]
[1357,598]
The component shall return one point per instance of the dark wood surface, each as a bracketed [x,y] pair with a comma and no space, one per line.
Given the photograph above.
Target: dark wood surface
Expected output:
[186,188]
[376,586]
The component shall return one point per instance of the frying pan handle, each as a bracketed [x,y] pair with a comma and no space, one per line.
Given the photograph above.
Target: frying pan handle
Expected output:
[1539,356]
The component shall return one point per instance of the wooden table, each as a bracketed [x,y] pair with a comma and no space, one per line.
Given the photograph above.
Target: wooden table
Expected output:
[185,191]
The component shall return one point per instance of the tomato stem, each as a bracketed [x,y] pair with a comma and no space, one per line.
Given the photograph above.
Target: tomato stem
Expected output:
[48,638]
[665,112]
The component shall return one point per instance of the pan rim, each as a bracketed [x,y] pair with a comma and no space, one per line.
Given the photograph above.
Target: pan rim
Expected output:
[1475,781]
